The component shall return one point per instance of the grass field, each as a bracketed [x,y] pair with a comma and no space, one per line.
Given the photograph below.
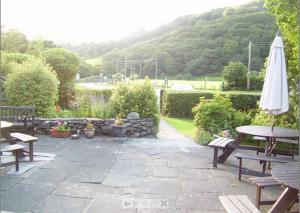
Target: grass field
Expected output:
[183,125]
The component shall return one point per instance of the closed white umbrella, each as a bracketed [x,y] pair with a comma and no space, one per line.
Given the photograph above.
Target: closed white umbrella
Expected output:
[274,98]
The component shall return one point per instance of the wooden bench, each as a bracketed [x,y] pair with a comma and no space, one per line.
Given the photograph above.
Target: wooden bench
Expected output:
[26,139]
[263,159]
[21,116]
[219,142]
[238,204]
[15,149]
[289,152]
[262,182]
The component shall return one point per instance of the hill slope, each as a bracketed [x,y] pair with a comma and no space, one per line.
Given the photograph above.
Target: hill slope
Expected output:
[195,44]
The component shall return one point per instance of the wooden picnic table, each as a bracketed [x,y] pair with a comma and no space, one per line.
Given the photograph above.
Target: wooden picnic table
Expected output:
[261,131]
[288,175]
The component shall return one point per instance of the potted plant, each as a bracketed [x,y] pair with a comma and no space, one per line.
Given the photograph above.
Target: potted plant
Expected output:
[60,131]
[89,130]
[119,127]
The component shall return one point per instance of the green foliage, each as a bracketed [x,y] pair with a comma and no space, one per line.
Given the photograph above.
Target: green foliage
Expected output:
[235,76]
[98,95]
[13,41]
[203,137]
[62,127]
[180,104]
[287,18]
[32,83]
[9,59]
[36,47]
[140,98]
[65,64]
[217,114]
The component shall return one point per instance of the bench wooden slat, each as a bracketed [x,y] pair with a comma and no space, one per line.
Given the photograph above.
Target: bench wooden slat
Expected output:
[238,204]
[23,137]
[10,148]
[262,158]
[282,140]
[220,142]
[228,205]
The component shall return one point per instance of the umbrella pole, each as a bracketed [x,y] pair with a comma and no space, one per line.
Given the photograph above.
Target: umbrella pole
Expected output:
[273,122]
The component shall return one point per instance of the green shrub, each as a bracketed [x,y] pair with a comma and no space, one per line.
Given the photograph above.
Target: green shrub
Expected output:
[235,76]
[66,65]
[217,114]
[140,98]
[203,137]
[32,83]
[94,94]
[180,104]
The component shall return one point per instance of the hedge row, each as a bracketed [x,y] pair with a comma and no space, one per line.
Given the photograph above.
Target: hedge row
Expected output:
[94,94]
[180,104]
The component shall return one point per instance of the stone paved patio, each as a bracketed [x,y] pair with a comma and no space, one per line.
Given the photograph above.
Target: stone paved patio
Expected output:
[171,174]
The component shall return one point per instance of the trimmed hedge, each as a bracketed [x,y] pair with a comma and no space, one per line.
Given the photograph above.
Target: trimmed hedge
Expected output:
[180,104]
[94,94]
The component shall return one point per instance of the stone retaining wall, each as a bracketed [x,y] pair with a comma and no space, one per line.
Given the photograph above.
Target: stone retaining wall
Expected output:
[136,127]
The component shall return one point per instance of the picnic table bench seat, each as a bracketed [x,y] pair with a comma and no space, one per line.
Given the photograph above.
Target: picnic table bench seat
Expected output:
[262,158]
[26,139]
[238,204]
[261,183]
[7,160]
[219,142]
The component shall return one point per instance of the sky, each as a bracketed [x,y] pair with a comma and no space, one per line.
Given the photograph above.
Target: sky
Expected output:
[77,21]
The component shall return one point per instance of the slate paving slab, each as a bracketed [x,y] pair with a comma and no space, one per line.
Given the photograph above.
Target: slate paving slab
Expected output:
[6,182]
[24,197]
[62,204]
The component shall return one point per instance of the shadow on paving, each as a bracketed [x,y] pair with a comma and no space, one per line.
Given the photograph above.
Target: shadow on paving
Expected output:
[168,174]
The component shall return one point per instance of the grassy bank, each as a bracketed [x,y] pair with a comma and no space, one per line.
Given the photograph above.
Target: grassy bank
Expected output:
[183,125]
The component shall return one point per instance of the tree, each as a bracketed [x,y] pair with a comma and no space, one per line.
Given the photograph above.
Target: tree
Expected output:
[235,75]
[32,83]
[36,47]
[66,65]
[14,41]
[286,14]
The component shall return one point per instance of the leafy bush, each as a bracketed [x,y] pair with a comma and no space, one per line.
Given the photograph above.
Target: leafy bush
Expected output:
[66,65]
[180,104]
[94,94]
[32,83]
[235,76]
[217,114]
[140,98]
[203,137]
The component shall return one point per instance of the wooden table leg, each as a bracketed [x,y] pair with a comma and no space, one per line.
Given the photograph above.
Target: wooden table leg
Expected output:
[31,151]
[284,202]
[228,151]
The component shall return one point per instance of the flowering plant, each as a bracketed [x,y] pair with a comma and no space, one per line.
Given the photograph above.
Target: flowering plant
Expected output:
[61,127]
[89,125]
[119,121]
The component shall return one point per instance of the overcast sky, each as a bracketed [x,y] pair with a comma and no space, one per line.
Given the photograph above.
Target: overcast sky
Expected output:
[77,21]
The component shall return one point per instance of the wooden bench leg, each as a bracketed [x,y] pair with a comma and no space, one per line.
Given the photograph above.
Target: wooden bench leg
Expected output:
[258,196]
[240,169]
[17,160]
[31,151]
[215,157]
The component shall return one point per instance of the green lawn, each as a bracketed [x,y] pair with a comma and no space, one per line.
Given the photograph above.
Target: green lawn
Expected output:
[183,125]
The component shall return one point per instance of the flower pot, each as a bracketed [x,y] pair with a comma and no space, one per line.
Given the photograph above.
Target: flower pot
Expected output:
[119,130]
[89,133]
[55,134]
